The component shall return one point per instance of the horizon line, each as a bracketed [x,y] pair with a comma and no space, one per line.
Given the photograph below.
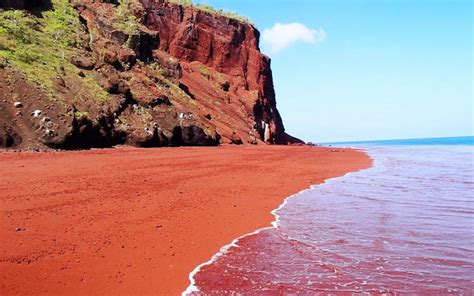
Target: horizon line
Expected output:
[382,140]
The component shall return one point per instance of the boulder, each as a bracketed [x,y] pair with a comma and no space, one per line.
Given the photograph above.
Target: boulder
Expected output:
[83,62]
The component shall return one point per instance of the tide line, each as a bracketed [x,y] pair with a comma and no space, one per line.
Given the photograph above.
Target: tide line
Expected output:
[193,288]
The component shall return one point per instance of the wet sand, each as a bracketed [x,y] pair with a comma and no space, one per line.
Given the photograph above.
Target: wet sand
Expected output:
[138,221]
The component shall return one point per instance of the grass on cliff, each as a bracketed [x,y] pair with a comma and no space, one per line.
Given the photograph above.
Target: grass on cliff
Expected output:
[40,47]
[123,20]
[212,10]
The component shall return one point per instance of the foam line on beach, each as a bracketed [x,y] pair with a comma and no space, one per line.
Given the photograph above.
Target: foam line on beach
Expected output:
[193,288]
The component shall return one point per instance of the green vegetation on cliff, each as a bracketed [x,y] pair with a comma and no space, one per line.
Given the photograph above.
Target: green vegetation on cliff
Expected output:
[40,46]
[123,20]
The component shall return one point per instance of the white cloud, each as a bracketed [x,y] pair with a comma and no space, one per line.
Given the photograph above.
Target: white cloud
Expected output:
[281,36]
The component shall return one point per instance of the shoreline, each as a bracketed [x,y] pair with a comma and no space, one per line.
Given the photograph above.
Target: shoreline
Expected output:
[192,288]
[235,188]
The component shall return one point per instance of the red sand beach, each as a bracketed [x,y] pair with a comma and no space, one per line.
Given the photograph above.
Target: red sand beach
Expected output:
[138,221]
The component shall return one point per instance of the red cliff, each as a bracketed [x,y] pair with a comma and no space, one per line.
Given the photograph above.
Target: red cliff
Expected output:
[168,74]
[229,52]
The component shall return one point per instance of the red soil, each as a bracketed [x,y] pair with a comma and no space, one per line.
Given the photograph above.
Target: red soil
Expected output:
[137,221]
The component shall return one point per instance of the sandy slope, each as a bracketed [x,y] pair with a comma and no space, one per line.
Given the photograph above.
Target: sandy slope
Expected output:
[137,221]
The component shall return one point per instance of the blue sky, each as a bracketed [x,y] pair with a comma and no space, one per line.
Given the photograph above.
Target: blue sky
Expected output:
[372,69]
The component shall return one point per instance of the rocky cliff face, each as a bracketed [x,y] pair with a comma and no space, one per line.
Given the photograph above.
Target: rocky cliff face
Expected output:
[143,72]
[217,50]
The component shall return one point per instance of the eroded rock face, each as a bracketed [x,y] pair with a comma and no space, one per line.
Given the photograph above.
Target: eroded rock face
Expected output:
[222,65]
[174,76]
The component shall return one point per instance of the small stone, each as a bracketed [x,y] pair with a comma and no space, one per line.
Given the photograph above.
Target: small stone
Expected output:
[49,132]
[18,113]
[19,229]
[36,113]
[18,104]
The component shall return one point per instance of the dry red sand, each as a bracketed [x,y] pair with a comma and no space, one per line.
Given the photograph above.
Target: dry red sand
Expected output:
[137,221]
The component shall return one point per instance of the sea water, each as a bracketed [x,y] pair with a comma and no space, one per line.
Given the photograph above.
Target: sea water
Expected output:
[404,226]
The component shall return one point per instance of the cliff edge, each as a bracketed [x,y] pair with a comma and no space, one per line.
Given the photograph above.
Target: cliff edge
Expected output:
[146,73]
